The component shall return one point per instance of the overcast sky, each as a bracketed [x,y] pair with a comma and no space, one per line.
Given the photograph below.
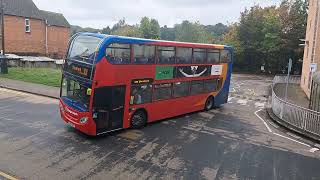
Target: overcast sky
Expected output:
[102,13]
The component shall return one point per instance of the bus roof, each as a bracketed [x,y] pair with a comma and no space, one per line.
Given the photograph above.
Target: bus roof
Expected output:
[132,40]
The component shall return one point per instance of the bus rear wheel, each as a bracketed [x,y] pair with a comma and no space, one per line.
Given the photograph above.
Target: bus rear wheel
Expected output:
[209,104]
[139,119]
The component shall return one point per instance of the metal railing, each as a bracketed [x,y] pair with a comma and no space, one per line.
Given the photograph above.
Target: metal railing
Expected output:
[303,119]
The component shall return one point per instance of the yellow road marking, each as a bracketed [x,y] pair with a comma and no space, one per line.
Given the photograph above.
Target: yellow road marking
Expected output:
[7,176]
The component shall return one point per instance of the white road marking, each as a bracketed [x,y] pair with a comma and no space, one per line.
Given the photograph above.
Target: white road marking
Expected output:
[242,102]
[7,176]
[269,129]
[312,150]
[264,122]
[259,105]
[292,139]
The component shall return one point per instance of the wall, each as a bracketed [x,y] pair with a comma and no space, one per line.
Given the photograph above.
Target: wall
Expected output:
[312,41]
[20,42]
[58,38]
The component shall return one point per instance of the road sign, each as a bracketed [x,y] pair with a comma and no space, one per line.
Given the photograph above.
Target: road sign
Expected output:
[313,67]
[290,65]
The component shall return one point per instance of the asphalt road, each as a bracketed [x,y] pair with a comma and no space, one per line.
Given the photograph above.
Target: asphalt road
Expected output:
[235,141]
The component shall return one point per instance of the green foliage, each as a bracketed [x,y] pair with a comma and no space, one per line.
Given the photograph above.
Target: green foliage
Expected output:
[149,28]
[106,30]
[192,32]
[168,33]
[45,76]
[127,30]
[268,36]
[218,29]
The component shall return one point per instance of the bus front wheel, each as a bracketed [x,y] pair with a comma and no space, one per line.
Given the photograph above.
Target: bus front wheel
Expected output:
[209,104]
[139,119]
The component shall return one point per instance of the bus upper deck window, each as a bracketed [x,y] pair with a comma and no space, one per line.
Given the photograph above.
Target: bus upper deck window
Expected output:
[199,56]
[225,56]
[118,53]
[83,48]
[166,55]
[143,54]
[184,55]
[213,56]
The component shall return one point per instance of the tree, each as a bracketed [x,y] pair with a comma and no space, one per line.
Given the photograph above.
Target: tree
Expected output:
[149,28]
[127,30]
[167,33]
[293,17]
[106,30]
[154,29]
[217,30]
[121,23]
[192,32]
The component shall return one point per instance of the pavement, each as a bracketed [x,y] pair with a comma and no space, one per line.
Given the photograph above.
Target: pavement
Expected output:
[235,141]
[33,88]
[295,94]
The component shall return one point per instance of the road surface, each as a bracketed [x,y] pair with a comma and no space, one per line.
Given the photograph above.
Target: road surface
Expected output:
[235,141]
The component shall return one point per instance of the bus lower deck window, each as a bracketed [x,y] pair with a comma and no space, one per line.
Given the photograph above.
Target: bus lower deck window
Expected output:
[197,87]
[141,94]
[162,91]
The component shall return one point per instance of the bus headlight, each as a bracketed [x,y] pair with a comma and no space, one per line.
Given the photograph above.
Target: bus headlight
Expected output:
[61,108]
[84,120]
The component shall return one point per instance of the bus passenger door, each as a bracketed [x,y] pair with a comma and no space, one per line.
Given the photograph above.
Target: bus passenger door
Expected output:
[108,106]
[117,108]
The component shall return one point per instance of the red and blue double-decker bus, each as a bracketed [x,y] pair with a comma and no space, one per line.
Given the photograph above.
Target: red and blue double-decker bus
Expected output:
[113,82]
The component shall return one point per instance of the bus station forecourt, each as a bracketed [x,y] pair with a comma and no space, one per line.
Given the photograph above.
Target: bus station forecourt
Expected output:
[199,122]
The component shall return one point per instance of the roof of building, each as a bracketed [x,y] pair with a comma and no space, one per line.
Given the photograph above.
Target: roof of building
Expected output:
[24,8]
[316,77]
[55,19]
[27,8]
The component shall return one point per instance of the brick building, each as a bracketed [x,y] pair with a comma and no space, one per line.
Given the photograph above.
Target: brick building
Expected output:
[30,31]
[312,46]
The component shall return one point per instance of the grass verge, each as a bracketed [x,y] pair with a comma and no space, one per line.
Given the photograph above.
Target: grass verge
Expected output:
[45,76]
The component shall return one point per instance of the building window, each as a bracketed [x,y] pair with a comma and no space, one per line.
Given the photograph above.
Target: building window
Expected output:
[27,25]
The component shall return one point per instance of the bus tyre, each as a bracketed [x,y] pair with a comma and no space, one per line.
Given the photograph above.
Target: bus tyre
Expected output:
[209,104]
[138,120]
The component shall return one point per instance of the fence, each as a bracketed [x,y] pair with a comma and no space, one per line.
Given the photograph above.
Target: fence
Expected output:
[304,120]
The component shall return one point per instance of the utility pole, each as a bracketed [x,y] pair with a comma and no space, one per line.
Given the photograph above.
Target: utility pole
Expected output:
[4,64]
[2,27]
[288,76]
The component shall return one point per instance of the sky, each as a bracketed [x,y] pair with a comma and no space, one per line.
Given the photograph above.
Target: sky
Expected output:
[103,13]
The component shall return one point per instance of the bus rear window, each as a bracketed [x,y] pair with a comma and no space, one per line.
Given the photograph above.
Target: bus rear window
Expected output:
[83,48]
